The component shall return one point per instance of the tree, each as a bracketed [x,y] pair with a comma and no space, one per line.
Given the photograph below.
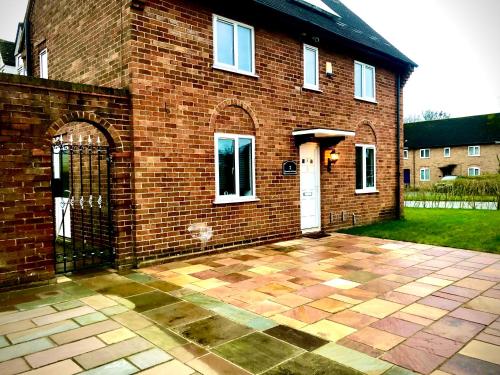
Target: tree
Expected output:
[427,115]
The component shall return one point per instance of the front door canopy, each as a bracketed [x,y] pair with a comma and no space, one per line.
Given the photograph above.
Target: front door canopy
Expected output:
[321,135]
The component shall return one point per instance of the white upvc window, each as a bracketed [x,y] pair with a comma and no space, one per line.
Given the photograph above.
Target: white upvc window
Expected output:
[44,64]
[364,81]
[425,153]
[474,171]
[234,46]
[20,65]
[405,154]
[311,67]
[447,152]
[234,168]
[425,174]
[366,169]
[474,151]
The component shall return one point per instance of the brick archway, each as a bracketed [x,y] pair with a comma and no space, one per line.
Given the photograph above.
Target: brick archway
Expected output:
[233,103]
[365,132]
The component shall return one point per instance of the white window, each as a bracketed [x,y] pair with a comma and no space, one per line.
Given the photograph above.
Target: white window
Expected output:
[425,174]
[447,152]
[234,168]
[44,64]
[234,46]
[474,171]
[366,173]
[405,153]
[364,81]
[311,67]
[20,65]
[474,151]
[425,153]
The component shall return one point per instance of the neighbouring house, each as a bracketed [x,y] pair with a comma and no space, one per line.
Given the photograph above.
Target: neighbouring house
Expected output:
[7,61]
[20,50]
[248,122]
[464,146]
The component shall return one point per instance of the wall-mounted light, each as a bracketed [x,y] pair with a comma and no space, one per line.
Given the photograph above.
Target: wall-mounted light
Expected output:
[332,159]
[329,69]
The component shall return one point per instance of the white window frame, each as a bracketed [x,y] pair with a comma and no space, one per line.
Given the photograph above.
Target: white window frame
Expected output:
[365,189]
[473,153]
[233,68]
[449,152]
[422,150]
[315,49]
[473,169]
[363,83]
[20,65]
[425,169]
[44,67]
[236,198]
[405,154]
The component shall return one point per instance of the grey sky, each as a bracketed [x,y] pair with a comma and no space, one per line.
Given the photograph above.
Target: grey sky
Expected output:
[456,44]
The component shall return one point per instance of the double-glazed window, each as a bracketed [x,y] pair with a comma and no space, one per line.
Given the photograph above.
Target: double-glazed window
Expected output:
[311,67]
[44,64]
[474,171]
[474,151]
[233,46]
[365,169]
[425,153]
[447,152]
[234,167]
[425,174]
[405,153]
[364,81]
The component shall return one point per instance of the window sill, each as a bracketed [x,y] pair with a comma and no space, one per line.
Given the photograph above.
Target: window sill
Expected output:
[368,100]
[313,89]
[220,200]
[474,156]
[367,191]
[234,70]
[428,157]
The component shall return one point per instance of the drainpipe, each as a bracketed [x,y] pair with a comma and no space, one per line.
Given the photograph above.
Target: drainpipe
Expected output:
[398,148]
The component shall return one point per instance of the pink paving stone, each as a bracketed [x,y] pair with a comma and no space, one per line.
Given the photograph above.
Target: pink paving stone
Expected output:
[414,272]
[357,293]
[453,297]
[317,291]
[434,344]
[360,347]
[14,366]
[440,303]
[204,275]
[222,291]
[413,359]
[493,293]
[456,272]
[495,340]
[397,326]
[455,329]
[376,338]
[402,298]
[473,315]
[306,314]
[460,291]
[352,319]
[380,286]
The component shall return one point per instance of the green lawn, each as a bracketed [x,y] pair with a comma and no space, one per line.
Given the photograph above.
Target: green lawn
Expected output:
[466,229]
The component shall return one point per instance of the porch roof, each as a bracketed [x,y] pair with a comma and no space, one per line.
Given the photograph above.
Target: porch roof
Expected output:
[323,133]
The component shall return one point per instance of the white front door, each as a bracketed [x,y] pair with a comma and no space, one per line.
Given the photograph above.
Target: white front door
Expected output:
[310,212]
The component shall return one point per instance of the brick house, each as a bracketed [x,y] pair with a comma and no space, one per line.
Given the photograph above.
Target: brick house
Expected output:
[7,62]
[465,146]
[254,120]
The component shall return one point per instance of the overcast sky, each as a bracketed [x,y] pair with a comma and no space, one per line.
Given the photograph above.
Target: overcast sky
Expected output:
[456,44]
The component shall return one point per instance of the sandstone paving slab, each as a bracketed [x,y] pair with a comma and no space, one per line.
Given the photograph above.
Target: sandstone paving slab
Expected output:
[211,364]
[474,315]
[170,367]
[296,337]
[46,330]
[482,350]
[91,318]
[376,338]
[132,320]
[116,335]
[464,365]
[455,329]
[187,352]
[63,315]
[84,332]
[121,366]
[151,300]
[328,330]
[23,325]
[23,315]
[112,352]
[25,348]
[98,301]
[353,359]
[413,359]
[149,358]
[161,337]
[434,344]
[68,305]
[377,308]
[424,311]
[486,304]
[67,367]
[43,358]
[14,366]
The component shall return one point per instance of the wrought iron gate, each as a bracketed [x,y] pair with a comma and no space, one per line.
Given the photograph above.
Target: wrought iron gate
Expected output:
[81,186]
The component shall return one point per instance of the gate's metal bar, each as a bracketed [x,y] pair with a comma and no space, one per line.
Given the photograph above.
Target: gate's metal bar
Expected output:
[108,202]
[82,229]
[63,211]
[99,200]
[71,201]
[91,204]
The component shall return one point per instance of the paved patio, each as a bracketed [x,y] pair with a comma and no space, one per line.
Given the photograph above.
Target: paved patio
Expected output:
[337,305]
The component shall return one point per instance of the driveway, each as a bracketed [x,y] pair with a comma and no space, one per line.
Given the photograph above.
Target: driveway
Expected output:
[335,305]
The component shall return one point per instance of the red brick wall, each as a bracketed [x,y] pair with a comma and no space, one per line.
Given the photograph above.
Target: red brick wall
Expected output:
[175,97]
[31,113]
[85,40]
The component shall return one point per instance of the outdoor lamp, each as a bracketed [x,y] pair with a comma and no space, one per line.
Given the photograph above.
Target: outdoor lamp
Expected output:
[334,157]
